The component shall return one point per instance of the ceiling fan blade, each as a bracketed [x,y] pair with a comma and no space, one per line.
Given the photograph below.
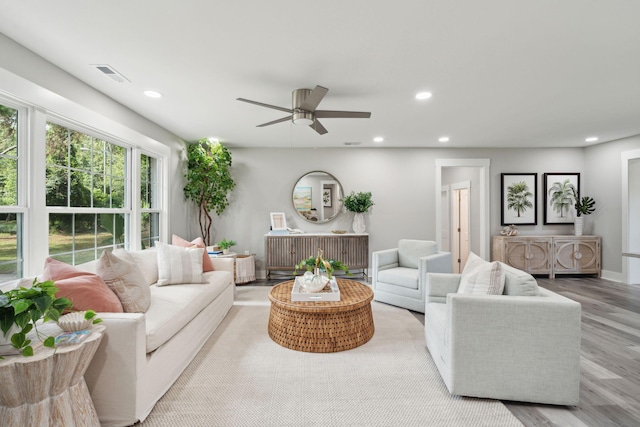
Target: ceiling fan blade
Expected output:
[275,107]
[311,102]
[284,119]
[317,126]
[326,114]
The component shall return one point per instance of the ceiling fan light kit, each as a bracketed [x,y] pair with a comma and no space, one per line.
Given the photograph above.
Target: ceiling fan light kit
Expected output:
[303,112]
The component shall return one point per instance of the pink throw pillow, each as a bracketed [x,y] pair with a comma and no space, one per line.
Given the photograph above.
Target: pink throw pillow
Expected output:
[207,265]
[86,290]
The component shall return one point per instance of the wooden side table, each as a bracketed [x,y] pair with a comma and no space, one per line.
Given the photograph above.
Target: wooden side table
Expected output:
[48,388]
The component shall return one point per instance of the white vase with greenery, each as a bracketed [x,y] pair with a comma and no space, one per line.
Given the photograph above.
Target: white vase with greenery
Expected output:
[359,203]
[584,206]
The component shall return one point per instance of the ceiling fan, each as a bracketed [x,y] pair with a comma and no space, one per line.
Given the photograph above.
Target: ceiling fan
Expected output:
[303,111]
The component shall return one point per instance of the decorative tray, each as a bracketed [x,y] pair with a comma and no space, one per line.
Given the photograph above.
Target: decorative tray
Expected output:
[331,295]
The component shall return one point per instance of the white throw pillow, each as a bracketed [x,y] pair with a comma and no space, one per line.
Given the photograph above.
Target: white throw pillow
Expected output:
[125,279]
[177,265]
[487,279]
[146,260]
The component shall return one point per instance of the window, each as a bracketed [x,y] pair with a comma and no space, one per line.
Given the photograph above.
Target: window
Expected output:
[149,205]
[11,214]
[86,194]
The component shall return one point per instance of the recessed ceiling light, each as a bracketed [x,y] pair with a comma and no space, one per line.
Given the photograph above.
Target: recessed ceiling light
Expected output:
[591,139]
[378,139]
[152,94]
[443,139]
[423,95]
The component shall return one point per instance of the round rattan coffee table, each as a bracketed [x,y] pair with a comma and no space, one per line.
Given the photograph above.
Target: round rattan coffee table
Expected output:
[322,326]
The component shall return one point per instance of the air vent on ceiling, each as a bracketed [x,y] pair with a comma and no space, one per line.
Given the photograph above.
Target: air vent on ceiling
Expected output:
[110,72]
[351,143]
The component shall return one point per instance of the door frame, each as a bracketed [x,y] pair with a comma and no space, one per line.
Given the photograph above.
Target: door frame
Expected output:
[630,260]
[484,192]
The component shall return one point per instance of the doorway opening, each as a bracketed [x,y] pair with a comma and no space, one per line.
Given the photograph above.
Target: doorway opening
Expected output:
[460,224]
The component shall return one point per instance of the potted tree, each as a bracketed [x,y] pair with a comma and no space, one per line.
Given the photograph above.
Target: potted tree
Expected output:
[359,203]
[209,181]
[584,206]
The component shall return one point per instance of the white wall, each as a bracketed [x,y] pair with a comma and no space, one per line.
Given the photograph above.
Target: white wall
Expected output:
[402,182]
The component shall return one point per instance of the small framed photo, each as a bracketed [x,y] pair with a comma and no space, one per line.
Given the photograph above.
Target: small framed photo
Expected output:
[326,197]
[278,221]
[518,196]
[559,197]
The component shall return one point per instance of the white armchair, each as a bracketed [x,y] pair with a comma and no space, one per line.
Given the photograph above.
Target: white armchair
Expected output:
[400,274]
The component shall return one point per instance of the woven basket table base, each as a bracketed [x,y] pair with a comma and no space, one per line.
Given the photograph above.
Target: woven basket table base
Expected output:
[322,327]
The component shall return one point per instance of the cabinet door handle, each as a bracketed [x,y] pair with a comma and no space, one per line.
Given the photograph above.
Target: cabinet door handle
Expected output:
[577,255]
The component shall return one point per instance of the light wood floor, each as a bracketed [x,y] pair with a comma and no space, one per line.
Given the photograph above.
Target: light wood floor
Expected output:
[610,357]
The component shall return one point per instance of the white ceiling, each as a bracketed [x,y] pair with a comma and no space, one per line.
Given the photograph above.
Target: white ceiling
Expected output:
[503,73]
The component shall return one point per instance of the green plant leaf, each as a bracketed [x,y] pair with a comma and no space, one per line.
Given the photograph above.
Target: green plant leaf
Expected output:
[49,342]
[27,351]
[21,305]
[96,321]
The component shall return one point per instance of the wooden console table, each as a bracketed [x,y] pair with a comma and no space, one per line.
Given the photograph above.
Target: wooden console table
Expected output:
[48,388]
[283,252]
[550,255]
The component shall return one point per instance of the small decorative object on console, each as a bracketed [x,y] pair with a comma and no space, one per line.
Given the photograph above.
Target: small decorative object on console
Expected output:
[510,230]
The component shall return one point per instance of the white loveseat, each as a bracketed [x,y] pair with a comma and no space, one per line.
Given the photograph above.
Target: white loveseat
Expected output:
[523,345]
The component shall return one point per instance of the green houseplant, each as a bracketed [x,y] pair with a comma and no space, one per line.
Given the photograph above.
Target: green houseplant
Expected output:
[584,206]
[225,244]
[359,203]
[22,308]
[209,181]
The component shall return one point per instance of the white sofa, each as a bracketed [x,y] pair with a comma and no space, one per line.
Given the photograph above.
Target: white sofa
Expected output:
[523,345]
[142,354]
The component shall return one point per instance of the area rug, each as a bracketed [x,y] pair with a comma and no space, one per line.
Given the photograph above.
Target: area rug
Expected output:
[242,378]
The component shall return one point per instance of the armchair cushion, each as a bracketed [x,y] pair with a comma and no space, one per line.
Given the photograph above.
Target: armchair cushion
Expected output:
[410,251]
[400,276]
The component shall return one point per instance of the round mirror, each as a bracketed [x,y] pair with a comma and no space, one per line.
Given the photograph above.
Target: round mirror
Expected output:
[317,197]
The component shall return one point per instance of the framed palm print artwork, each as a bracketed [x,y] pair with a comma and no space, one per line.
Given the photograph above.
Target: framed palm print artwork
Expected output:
[559,197]
[518,195]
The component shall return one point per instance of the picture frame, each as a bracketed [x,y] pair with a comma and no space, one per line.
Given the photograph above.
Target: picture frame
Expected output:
[302,198]
[519,198]
[278,221]
[558,197]
[326,197]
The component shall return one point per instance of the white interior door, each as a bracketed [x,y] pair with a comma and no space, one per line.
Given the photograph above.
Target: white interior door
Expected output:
[460,220]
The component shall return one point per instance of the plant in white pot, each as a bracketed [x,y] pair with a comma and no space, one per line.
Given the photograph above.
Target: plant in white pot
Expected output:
[359,203]
[225,245]
[584,206]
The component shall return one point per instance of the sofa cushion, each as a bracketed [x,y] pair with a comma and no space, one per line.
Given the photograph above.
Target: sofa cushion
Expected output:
[207,265]
[410,251]
[172,307]
[487,279]
[146,260]
[518,282]
[178,265]
[86,290]
[400,276]
[125,279]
